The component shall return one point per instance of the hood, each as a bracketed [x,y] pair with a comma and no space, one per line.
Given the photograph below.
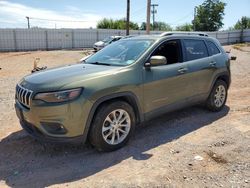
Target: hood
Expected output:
[100,43]
[54,79]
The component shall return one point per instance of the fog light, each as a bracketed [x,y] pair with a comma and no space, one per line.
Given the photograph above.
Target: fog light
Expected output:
[53,128]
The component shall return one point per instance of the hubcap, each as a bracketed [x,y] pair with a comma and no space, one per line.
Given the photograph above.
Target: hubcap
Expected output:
[220,96]
[116,127]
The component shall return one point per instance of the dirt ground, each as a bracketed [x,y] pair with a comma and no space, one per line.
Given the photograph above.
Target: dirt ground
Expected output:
[189,148]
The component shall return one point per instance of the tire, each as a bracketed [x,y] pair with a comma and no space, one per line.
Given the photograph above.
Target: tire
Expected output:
[218,96]
[107,133]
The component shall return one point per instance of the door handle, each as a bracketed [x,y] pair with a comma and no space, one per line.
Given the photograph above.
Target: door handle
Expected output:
[182,70]
[212,64]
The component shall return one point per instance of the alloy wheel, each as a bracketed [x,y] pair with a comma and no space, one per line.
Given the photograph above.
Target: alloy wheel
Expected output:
[116,126]
[220,96]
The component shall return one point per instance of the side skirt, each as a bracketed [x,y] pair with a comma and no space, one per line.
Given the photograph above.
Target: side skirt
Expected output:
[176,106]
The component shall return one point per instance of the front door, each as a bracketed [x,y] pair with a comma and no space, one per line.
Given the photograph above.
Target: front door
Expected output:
[165,84]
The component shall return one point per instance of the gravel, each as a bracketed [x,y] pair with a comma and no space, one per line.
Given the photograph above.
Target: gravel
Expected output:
[160,154]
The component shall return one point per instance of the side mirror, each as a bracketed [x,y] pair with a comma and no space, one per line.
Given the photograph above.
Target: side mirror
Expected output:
[156,61]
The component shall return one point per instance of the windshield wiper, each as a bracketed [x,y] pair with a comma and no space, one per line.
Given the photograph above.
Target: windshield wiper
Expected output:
[99,63]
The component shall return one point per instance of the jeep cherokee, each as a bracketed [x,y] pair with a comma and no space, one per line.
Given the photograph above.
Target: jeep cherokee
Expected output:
[130,81]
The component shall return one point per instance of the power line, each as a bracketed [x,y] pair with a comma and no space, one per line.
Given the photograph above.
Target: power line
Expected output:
[138,10]
[55,20]
[154,11]
[84,21]
[182,18]
[138,16]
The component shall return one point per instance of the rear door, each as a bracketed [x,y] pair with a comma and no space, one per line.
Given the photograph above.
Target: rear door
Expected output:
[215,53]
[201,67]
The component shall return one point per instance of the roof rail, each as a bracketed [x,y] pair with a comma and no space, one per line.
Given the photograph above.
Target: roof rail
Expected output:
[184,33]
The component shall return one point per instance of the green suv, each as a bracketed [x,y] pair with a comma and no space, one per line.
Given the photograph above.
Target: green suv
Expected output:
[133,80]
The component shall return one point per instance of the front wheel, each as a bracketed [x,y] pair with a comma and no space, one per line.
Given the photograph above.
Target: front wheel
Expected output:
[218,96]
[112,126]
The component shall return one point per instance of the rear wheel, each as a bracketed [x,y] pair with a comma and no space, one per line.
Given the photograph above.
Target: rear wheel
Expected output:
[112,126]
[218,96]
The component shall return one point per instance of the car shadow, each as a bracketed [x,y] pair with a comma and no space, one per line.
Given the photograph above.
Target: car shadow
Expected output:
[24,161]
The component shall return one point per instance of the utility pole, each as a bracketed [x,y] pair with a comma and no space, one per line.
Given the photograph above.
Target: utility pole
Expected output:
[128,14]
[28,19]
[154,11]
[148,16]
[195,11]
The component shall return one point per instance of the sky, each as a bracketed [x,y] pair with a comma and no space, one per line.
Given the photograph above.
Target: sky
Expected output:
[86,13]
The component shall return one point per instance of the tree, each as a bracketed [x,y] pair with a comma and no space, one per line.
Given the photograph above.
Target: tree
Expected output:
[243,23]
[133,26]
[160,26]
[144,26]
[105,23]
[184,27]
[209,16]
[116,24]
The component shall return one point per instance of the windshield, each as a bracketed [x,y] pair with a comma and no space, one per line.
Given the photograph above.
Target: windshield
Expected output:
[121,53]
[107,40]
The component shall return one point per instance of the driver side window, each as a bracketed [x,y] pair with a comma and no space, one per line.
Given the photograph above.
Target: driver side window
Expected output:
[171,50]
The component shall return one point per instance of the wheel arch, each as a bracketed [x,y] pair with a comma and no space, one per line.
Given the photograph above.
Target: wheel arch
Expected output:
[128,97]
[225,76]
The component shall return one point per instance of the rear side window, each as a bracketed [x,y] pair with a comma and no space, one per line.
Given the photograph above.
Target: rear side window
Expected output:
[212,48]
[195,49]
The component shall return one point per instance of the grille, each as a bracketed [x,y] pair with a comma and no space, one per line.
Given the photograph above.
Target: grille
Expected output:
[23,95]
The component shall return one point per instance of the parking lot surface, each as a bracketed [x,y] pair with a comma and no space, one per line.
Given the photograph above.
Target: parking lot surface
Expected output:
[188,148]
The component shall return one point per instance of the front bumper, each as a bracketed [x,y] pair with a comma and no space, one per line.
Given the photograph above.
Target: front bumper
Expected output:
[71,116]
[34,132]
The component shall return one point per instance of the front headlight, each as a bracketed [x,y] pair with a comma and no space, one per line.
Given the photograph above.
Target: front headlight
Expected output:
[59,96]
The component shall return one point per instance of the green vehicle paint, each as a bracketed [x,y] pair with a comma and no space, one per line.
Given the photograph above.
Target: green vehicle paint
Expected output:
[151,90]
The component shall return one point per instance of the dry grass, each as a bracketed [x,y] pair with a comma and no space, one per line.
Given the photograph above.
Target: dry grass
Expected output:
[241,47]
[217,158]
